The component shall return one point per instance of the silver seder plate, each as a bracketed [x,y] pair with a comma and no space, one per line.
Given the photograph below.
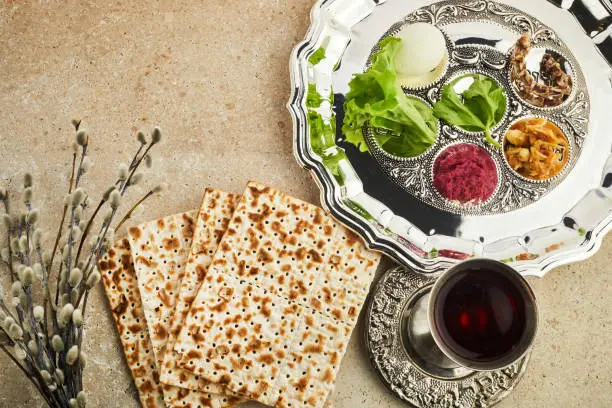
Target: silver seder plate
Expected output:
[392,203]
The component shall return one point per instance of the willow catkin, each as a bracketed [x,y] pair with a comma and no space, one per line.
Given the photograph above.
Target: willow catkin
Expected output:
[86,165]
[27,180]
[83,359]
[38,271]
[93,279]
[77,197]
[57,343]
[15,245]
[8,320]
[19,353]
[108,192]
[5,254]
[72,355]
[59,374]
[36,237]
[27,276]
[46,376]
[136,178]
[32,217]
[122,172]
[27,196]
[16,288]
[115,199]
[82,137]
[141,138]
[156,135]
[15,331]
[39,313]
[66,314]
[23,244]
[20,269]
[32,346]
[77,318]
[76,275]
[81,399]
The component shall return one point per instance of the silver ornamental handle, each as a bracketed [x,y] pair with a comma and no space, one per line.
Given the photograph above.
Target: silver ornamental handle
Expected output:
[595,17]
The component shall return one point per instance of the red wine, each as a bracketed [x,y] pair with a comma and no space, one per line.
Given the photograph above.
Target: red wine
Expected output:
[480,314]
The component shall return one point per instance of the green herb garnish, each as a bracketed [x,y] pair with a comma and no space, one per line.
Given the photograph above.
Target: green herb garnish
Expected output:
[358,208]
[376,97]
[317,56]
[477,109]
[323,134]
[313,97]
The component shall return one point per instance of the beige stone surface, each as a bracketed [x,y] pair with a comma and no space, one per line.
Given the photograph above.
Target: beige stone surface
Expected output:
[213,74]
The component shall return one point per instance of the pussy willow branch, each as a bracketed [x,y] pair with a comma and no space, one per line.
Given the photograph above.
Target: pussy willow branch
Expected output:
[72,211]
[61,227]
[47,295]
[32,373]
[53,366]
[86,231]
[129,213]
[9,234]
[27,374]
[134,168]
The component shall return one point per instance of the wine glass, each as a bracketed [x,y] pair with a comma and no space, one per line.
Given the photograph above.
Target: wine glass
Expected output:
[480,315]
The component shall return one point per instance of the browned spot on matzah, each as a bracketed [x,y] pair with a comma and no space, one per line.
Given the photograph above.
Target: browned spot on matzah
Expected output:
[171,244]
[145,261]
[194,354]
[266,358]
[135,232]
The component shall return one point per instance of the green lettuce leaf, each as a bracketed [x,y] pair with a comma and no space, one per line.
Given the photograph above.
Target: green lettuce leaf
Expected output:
[376,97]
[323,137]
[313,97]
[317,56]
[478,109]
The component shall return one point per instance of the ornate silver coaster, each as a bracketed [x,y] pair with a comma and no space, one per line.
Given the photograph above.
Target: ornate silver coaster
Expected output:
[405,364]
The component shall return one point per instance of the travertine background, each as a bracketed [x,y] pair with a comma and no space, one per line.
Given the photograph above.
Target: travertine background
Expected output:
[213,74]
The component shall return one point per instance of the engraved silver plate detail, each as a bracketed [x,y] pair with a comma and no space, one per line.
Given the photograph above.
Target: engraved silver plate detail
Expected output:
[563,224]
[572,116]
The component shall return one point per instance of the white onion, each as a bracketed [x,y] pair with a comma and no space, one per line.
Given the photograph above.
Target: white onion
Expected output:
[423,48]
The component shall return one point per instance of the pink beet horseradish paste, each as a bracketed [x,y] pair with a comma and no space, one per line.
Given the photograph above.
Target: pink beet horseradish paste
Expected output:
[465,173]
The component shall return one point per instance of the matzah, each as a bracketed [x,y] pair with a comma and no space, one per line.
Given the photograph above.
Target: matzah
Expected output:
[280,299]
[119,282]
[214,215]
[160,250]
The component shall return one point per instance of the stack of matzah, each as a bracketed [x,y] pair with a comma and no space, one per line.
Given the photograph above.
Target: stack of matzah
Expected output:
[255,299]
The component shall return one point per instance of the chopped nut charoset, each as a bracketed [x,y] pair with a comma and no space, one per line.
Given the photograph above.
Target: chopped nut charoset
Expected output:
[536,148]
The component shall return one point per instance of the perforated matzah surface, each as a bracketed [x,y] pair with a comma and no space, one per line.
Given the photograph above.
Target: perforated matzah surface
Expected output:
[214,215]
[283,252]
[119,281]
[160,250]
